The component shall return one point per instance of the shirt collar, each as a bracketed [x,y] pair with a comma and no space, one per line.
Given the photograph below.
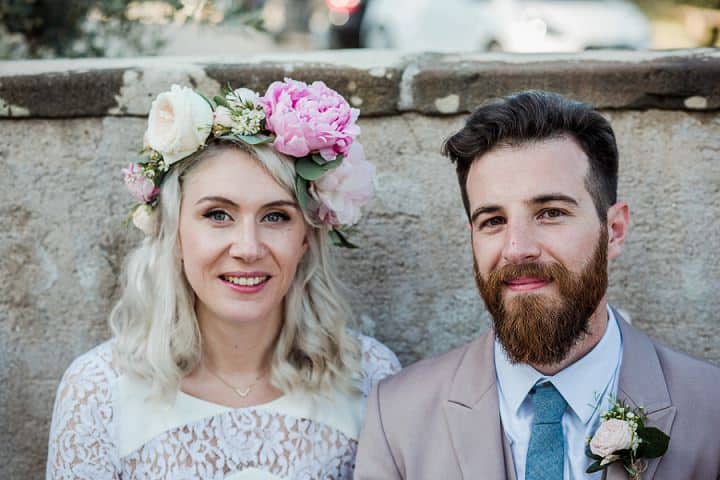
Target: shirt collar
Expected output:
[582,384]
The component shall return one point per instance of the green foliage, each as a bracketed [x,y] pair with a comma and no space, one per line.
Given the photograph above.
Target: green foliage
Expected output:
[82,28]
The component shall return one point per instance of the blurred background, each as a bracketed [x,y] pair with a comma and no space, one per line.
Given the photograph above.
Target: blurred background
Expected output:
[123,28]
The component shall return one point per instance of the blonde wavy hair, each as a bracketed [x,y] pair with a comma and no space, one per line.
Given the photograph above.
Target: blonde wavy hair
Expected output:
[154,322]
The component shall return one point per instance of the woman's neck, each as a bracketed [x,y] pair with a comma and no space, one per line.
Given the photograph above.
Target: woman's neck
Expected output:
[238,349]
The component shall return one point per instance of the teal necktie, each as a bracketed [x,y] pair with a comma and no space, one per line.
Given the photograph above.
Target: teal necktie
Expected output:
[546,450]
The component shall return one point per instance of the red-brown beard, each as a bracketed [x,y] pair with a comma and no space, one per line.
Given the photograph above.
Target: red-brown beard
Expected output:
[540,329]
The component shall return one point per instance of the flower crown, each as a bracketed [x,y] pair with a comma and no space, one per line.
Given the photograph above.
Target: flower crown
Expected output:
[311,123]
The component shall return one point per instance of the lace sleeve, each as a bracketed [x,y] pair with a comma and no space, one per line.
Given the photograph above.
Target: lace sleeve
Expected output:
[378,362]
[81,445]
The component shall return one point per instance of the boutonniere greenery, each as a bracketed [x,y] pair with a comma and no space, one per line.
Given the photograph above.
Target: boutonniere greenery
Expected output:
[623,437]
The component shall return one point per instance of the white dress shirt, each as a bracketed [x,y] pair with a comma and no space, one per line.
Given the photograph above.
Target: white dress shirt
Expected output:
[586,386]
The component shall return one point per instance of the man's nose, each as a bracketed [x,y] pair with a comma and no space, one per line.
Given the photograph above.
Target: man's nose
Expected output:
[247,244]
[521,244]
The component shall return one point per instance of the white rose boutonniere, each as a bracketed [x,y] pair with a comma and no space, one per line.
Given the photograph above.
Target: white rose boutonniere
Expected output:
[623,437]
[179,123]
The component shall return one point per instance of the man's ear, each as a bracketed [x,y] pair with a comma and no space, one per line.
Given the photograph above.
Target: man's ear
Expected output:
[618,224]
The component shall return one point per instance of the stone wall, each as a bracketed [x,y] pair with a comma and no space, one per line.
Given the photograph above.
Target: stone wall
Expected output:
[66,127]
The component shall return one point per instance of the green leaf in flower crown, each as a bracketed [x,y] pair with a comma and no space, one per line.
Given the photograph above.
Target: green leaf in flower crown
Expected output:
[654,442]
[303,196]
[206,99]
[308,169]
[339,239]
[320,160]
[221,101]
[334,163]
[257,139]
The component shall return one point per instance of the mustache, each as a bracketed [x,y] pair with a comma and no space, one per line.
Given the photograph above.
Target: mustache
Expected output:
[542,271]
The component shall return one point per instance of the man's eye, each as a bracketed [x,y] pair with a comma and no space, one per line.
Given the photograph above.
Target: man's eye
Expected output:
[276,217]
[492,222]
[552,213]
[217,216]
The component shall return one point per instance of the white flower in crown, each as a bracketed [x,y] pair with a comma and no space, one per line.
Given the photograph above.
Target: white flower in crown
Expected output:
[243,98]
[179,123]
[240,112]
[145,218]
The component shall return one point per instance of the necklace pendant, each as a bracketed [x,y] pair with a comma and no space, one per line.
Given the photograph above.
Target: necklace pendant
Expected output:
[243,393]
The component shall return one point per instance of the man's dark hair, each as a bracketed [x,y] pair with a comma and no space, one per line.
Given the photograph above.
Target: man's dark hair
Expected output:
[533,116]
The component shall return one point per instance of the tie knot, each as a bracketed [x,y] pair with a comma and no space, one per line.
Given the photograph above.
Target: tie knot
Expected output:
[549,404]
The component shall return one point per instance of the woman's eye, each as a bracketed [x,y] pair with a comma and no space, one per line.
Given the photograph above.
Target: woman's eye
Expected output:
[276,217]
[217,216]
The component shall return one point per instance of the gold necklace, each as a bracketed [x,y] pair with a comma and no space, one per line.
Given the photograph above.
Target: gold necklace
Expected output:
[241,392]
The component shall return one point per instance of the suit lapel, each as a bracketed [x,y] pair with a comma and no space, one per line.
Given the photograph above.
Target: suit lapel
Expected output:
[642,383]
[473,414]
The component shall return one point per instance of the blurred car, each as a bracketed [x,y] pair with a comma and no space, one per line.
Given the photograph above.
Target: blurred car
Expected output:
[507,25]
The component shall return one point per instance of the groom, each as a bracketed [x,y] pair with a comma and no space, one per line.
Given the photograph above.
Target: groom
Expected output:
[538,177]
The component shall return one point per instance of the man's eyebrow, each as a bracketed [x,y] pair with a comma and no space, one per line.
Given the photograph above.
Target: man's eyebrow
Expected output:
[553,197]
[482,210]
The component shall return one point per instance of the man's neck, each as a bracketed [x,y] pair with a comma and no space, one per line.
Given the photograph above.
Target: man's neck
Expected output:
[597,325]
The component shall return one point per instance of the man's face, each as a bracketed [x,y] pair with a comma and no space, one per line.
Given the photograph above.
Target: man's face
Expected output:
[540,250]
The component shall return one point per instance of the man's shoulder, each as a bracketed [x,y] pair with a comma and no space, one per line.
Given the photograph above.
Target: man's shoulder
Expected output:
[691,376]
[428,379]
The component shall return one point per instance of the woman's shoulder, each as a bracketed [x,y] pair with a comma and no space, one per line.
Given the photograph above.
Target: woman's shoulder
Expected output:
[94,366]
[376,362]
[89,377]
[81,433]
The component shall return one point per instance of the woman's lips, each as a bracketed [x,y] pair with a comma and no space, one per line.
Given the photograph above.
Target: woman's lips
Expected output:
[525,284]
[246,283]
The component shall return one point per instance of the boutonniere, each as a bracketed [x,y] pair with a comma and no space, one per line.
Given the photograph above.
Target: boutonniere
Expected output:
[623,437]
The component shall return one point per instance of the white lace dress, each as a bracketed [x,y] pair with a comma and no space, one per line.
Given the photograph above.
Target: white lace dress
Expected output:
[104,428]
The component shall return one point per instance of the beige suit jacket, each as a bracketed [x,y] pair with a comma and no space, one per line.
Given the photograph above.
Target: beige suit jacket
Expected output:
[439,418]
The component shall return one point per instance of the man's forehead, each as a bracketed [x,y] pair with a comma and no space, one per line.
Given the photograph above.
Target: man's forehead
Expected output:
[528,170]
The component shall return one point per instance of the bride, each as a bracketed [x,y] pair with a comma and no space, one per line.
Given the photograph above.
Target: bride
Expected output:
[231,355]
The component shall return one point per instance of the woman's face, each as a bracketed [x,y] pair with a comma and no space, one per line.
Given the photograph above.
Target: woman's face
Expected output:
[241,237]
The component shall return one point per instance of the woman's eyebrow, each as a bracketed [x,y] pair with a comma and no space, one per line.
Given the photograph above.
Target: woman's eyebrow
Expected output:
[282,203]
[216,199]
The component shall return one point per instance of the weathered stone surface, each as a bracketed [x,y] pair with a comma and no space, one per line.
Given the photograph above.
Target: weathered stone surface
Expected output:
[374,91]
[61,247]
[60,94]
[125,87]
[62,242]
[442,84]
[380,83]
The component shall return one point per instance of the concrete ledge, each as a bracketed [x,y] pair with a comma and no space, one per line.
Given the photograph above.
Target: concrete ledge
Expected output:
[378,82]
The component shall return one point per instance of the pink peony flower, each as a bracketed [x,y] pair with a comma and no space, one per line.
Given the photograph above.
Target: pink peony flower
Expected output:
[345,189]
[309,119]
[141,187]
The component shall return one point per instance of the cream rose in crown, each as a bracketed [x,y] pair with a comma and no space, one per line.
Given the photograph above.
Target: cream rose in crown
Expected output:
[180,122]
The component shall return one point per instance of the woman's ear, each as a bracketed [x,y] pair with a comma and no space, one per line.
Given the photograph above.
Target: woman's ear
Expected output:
[618,224]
